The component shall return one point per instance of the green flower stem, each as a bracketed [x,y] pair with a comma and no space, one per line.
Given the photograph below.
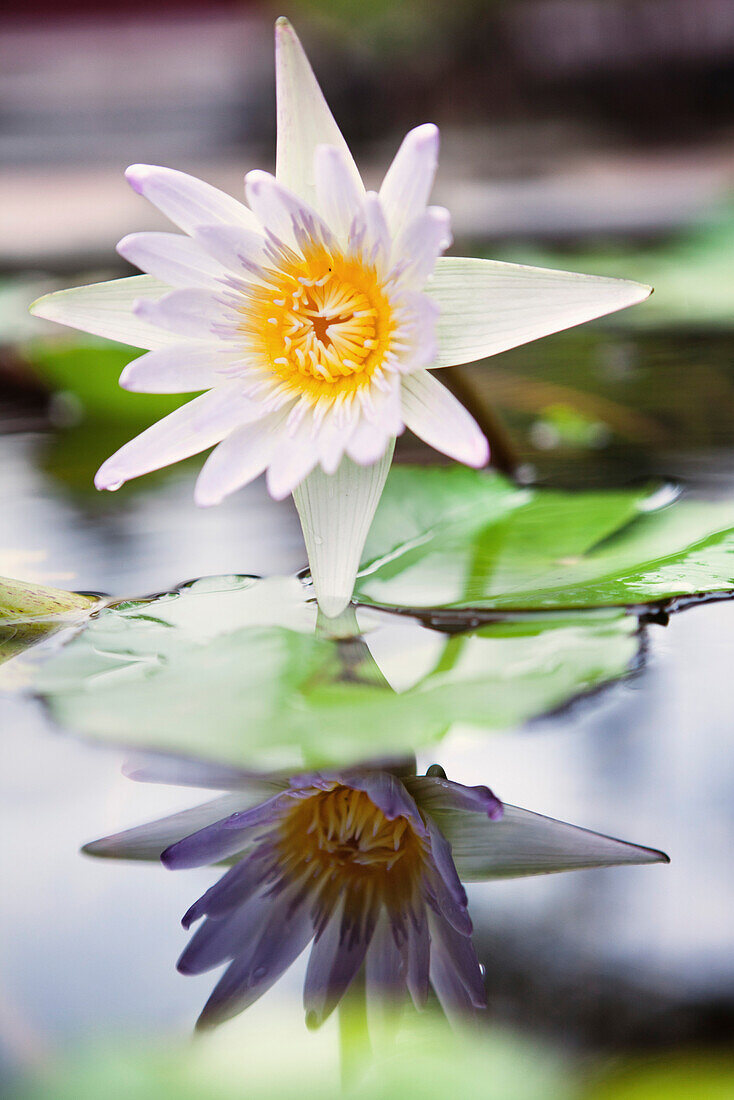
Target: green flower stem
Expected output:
[355,1048]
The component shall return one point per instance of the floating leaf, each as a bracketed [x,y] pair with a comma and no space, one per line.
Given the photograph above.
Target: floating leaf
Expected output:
[502,549]
[22,600]
[231,669]
[30,612]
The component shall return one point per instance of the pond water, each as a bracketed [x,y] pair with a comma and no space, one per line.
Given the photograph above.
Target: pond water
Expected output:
[614,958]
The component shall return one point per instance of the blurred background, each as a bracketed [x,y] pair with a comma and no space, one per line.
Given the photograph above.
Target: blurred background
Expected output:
[593,135]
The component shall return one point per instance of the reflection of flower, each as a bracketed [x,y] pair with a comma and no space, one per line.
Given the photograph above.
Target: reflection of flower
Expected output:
[363,862]
[311,320]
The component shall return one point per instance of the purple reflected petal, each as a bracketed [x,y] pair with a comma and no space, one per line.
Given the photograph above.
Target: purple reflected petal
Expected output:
[215,941]
[234,888]
[433,792]
[443,882]
[389,795]
[183,771]
[336,956]
[151,840]
[385,966]
[265,957]
[455,972]
[224,838]
[209,845]
[417,950]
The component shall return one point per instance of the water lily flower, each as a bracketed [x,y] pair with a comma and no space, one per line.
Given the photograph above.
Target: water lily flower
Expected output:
[314,318]
[365,863]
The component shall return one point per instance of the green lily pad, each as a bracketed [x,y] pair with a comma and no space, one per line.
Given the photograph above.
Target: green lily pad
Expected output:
[89,369]
[498,548]
[233,669]
[23,601]
[31,612]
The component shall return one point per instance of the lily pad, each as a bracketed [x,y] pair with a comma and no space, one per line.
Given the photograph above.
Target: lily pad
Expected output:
[31,612]
[233,669]
[497,548]
[90,370]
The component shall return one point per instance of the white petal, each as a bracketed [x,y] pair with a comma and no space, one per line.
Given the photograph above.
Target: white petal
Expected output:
[487,306]
[440,420]
[304,119]
[237,248]
[368,443]
[336,513]
[409,179]
[193,313]
[238,459]
[172,258]
[421,243]
[369,237]
[414,340]
[383,409]
[149,840]
[182,368]
[195,426]
[524,843]
[283,213]
[332,437]
[339,195]
[106,309]
[294,458]
[187,201]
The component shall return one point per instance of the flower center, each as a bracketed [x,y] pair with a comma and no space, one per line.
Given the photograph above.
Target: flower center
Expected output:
[343,835]
[322,324]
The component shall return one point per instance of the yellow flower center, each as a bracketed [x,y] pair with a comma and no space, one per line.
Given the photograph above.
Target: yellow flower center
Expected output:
[344,841]
[322,324]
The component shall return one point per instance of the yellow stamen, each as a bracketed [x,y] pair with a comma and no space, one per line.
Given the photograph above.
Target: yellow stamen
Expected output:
[322,324]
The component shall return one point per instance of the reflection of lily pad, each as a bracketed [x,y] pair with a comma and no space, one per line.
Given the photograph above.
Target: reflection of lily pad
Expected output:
[231,669]
[416,1055]
[494,548]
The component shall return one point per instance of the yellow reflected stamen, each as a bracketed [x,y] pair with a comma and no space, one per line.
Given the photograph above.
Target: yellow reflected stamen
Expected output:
[346,844]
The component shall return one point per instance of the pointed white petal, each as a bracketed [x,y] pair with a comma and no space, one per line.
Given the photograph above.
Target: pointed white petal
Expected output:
[440,420]
[336,513]
[487,306]
[182,368]
[172,258]
[233,246]
[106,309]
[187,201]
[149,840]
[409,179]
[304,119]
[238,459]
[524,843]
[339,195]
[283,212]
[195,426]
[421,243]
[193,313]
